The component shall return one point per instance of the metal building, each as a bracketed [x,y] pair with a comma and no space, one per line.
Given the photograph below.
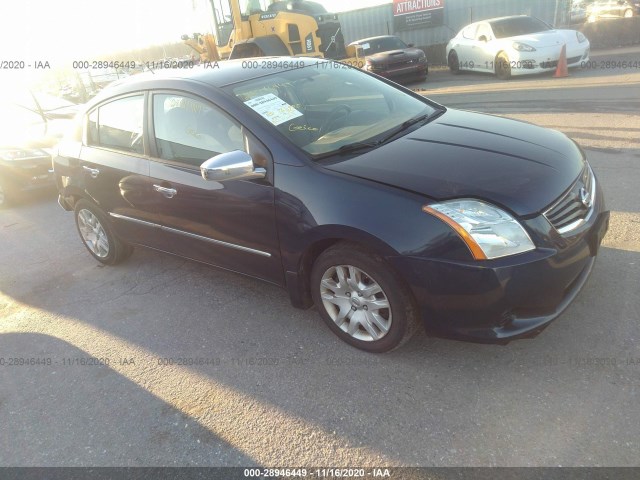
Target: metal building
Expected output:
[379,20]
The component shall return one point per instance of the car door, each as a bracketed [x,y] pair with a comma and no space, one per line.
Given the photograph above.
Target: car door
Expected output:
[229,224]
[115,170]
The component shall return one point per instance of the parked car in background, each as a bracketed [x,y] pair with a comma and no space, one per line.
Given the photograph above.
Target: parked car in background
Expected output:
[606,9]
[390,57]
[379,206]
[32,124]
[578,13]
[516,45]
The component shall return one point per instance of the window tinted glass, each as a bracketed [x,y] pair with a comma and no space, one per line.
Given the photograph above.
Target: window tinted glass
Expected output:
[191,131]
[512,27]
[383,44]
[92,128]
[119,125]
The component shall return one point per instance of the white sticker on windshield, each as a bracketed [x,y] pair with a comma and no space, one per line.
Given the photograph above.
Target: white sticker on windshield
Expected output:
[273,108]
[365,46]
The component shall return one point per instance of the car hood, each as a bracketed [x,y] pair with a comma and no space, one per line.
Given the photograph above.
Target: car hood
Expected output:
[550,38]
[394,56]
[461,154]
[41,135]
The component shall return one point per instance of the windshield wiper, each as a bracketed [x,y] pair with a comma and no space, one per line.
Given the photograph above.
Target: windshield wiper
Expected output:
[351,147]
[404,126]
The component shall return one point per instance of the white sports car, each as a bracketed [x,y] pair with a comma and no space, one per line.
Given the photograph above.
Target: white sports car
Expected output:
[515,45]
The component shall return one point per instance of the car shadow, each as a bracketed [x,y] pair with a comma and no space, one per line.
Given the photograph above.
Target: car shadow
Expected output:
[59,407]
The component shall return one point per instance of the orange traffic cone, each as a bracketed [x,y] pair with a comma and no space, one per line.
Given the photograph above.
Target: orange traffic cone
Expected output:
[561,69]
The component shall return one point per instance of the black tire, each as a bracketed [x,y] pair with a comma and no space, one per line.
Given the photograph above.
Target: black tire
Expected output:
[453,62]
[503,66]
[117,250]
[402,313]
[426,73]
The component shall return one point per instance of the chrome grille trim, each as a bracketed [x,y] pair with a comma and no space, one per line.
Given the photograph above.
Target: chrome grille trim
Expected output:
[568,213]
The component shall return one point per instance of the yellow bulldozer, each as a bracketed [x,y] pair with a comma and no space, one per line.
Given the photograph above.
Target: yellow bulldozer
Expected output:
[258,28]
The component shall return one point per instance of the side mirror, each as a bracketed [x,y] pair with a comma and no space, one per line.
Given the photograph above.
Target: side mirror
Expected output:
[235,165]
[410,45]
[482,38]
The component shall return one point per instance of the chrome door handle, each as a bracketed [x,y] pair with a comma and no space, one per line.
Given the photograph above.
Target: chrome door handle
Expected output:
[94,172]
[167,192]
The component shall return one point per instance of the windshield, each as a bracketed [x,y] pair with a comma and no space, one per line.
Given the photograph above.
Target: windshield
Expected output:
[512,27]
[382,44]
[327,105]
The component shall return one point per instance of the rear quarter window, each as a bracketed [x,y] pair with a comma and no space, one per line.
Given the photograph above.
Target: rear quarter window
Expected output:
[117,125]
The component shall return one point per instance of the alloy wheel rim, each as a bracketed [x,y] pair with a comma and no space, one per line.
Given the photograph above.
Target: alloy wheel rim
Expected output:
[356,302]
[92,233]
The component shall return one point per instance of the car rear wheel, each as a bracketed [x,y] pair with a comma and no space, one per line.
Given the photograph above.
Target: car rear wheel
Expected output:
[362,300]
[97,235]
[628,13]
[454,64]
[503,66]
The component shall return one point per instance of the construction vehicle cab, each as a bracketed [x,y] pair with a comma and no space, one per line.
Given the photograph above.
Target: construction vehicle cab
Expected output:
[256,28]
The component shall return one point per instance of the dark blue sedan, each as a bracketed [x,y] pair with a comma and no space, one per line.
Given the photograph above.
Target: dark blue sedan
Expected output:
[380,207]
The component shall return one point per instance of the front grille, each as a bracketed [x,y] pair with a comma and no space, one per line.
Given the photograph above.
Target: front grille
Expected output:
[576,206]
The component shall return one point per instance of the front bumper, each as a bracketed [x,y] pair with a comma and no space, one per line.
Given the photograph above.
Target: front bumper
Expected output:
[405,70]
[504,299]
[546,60]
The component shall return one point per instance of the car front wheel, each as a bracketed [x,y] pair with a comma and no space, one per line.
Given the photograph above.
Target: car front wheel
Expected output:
[628,13]
[362,300]
[97,235]
[503,66]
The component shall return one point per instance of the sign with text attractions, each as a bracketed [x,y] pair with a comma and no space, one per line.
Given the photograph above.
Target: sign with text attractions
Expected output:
[408,14]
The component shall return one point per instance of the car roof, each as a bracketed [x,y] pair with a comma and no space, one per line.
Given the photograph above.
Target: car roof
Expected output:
[503,18]
[369,39]
[215,74]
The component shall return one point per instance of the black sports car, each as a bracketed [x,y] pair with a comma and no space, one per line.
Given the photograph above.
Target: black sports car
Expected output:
[390,57]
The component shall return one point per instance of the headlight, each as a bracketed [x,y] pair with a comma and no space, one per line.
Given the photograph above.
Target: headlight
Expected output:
[371,66]
[19,154]
[522,47]
[581,37]
[422,59]
[488,231]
